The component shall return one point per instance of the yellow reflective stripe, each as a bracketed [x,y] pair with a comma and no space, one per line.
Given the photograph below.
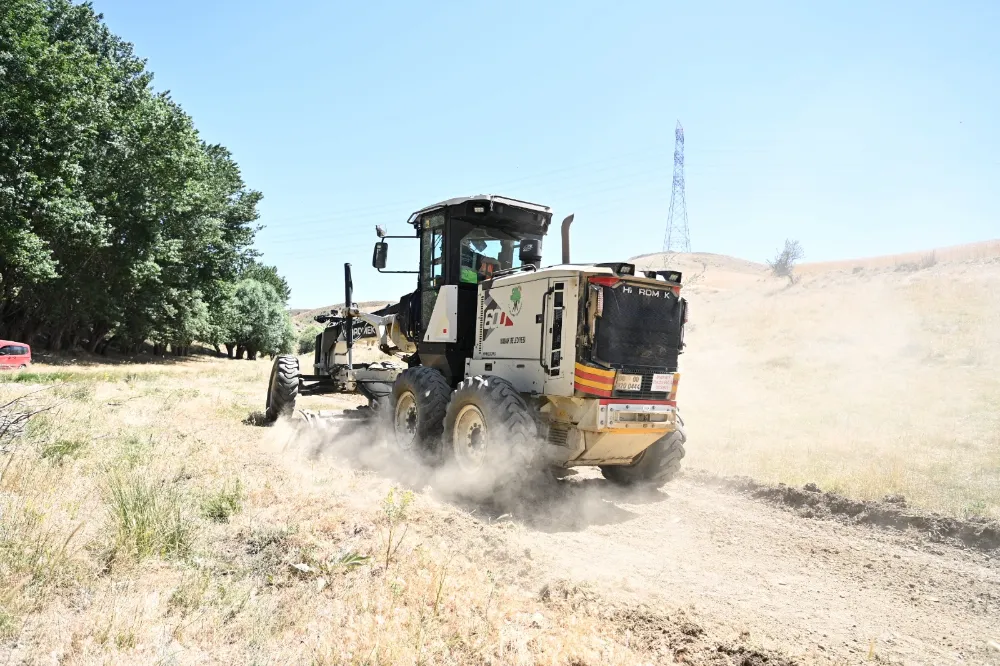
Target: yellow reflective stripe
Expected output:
[610,374]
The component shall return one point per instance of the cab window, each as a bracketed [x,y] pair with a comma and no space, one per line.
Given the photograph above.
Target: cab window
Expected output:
[432,247]
[484,252]
[432,265]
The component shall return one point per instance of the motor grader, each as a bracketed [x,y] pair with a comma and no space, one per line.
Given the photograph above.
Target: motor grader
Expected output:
[499,363]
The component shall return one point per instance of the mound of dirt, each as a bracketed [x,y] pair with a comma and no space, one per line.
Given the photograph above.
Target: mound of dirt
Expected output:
[891,512]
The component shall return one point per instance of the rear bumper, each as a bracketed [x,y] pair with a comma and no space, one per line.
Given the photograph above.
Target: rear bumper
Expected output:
[634,415]
[599,431]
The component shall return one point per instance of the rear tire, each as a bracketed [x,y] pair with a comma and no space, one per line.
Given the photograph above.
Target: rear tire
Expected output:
[283,388]
[416,412]
[491,436]
[657,465]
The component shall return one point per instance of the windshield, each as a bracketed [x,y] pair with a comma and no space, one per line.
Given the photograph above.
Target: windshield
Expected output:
[486,251]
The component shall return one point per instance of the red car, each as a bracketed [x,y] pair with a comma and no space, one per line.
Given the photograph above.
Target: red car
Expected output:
[14,354]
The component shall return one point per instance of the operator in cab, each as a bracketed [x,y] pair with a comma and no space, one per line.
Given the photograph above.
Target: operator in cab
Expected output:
[476,264]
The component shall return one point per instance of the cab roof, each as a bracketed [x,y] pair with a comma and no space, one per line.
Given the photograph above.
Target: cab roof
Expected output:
[491,199]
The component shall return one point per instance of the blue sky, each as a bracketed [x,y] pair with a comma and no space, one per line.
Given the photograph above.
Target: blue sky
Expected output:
[858,128]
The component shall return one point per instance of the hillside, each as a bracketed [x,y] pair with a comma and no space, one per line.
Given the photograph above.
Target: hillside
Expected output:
[873,376]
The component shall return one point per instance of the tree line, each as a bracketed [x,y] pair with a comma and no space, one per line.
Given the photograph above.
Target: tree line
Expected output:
[119,226]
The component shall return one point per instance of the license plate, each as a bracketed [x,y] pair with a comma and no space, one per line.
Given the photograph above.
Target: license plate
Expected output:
[628,382]
[663,383]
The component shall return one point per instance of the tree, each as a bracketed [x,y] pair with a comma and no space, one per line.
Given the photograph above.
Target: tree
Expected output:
[307,339]
[258,321]
[783,263]
[118,224]
[268,275]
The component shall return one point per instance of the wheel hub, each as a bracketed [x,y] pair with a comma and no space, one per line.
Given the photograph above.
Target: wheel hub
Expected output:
[470,438]
[405,421]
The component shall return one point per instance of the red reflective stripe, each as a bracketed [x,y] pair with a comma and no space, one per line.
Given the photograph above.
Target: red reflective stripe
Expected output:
[632,401]
[591,390]
[594,377]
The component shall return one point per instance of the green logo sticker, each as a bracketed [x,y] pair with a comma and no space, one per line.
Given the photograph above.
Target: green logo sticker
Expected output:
[515,300]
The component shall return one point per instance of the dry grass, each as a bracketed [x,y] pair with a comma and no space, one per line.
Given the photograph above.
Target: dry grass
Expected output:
[876,382]
[141,522]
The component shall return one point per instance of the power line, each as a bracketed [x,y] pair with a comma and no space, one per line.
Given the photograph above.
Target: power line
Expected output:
[544,177]
[580,193]
[678,238]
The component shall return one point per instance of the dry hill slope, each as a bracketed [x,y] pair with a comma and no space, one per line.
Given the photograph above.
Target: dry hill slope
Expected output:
[871,377]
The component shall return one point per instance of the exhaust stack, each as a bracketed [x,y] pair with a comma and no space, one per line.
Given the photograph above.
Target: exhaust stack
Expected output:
[565,238]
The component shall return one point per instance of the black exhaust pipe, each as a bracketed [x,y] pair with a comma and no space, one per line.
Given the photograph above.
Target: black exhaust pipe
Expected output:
[565,238]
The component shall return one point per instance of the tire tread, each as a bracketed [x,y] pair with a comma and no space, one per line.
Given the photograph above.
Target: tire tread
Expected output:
[432,393]
[283,387]
[660,463]
[499,397]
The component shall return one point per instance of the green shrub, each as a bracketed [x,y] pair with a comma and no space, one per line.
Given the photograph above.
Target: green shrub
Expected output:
[307,339]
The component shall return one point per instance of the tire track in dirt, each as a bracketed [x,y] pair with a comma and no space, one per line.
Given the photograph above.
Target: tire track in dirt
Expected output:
[818,590]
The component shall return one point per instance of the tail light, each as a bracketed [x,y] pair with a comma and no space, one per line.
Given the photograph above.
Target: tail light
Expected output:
[605,280]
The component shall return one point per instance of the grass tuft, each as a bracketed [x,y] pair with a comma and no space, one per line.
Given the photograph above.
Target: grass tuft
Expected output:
[61,449]
[223,503]
[146,518]
[395,508]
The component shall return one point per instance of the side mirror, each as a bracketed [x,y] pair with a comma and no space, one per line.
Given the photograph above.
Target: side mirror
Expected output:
[530,251]
[380,254]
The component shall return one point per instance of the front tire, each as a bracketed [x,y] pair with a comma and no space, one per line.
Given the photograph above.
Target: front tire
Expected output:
[417,408]
[491,435]
[657,465]
[283,388]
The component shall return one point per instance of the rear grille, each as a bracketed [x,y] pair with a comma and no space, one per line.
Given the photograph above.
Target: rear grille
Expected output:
[558,436]
[646,392]
[639,327]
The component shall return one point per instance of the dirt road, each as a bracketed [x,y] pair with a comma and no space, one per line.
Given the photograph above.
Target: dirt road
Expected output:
[817,590]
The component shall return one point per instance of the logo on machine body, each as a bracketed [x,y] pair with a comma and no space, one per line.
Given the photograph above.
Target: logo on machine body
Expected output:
[494,316]
[515,301]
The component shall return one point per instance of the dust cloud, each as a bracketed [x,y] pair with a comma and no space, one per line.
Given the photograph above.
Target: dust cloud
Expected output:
[530,496]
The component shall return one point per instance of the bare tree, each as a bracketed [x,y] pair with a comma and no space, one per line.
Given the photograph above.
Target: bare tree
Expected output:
[783,263]
[14,416]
